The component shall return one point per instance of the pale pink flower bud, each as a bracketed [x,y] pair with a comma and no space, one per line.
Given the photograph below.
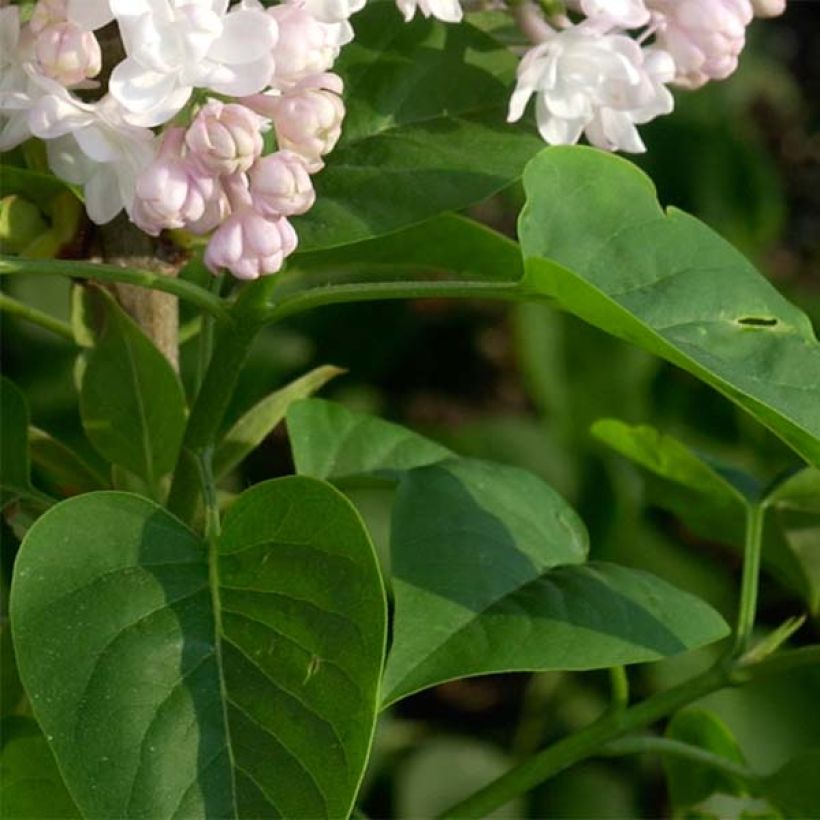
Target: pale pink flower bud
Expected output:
[172,192]
[704,37]
[46,13]
[305,46]
[224,138]
[281,186]
[769,8]
[307,119]
[249,244]
[67,54]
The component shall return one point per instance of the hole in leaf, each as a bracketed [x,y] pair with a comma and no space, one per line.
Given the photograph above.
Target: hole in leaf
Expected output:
[757,321]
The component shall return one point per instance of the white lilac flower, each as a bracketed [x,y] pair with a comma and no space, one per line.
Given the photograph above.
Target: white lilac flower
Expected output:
[585,82]
[704,37]
[335,14]
[622,13]
[305,47]
[447,10]
[18,91]
[93,146]
[174,47]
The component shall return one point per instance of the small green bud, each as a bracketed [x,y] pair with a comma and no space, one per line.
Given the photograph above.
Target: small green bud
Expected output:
[20,223]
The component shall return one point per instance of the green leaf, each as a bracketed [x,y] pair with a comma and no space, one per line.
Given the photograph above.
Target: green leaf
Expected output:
[448,247]
[595,240]
[35,186]
[485,578]
[425,130]
[712,499]
[252,429]
[691,782]
[795,787]
[30,783]
[16,471]
[329,441]
[668,458]
[61,465]
[240,681]
[131,401]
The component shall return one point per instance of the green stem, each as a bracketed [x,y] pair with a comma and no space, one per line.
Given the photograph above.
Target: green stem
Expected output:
[10,265]
[232,345]
[36,317]
[585,743]
[751,574]
[340,294]
[619,686]
[677,748]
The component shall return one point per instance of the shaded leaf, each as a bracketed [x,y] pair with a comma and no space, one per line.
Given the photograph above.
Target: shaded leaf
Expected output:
[712,500]
[485,578]
[237,681]
[62,465]
[425,130]
[30,783]
[330,441]
[595,240]
[447,247]
[15,473]
[131,401]
[255,425]
[795,787]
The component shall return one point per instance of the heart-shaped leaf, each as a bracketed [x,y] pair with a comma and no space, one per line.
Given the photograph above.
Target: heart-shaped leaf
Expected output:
[488,577]
[238,680]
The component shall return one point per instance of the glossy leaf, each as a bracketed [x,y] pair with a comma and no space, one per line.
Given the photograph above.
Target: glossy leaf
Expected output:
[30,783]
[131,400]
[690,782]
[487,579]
[15,475]
[244,685]
[329,441]
[418,147]
[596,241]
[255,425]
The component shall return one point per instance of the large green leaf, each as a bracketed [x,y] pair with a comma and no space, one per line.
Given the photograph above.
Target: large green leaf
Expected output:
[30,783]
[329,441]
[131,400]
[240,681]
[595,239]
[713,500]
[425,131]
[486,579]
[255,425]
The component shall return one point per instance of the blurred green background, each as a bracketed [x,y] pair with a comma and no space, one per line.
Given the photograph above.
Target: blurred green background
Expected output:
[522,385]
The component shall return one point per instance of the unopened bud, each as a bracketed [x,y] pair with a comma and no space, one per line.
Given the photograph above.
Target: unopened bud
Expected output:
[224,138]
